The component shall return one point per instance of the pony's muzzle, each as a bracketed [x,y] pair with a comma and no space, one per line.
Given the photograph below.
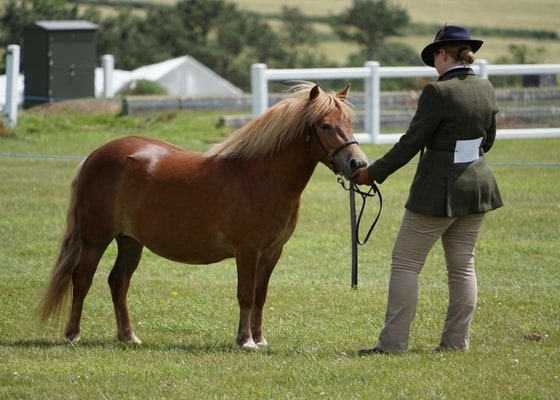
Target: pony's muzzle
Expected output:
[353,160]
[357,164]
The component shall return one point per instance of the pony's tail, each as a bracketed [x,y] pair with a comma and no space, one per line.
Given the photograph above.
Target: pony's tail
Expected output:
[57,290]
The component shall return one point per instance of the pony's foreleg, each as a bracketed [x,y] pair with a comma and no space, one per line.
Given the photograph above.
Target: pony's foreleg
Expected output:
[129,254]
[246,280]
[81,282]
[264,271]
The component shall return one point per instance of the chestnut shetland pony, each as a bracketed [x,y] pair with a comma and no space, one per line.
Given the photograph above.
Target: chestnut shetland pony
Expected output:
[240,199]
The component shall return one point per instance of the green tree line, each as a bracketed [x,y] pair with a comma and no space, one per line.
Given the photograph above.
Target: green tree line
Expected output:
[222,36]
[228,39]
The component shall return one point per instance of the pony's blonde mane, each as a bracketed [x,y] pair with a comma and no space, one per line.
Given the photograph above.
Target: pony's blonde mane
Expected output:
[281,124]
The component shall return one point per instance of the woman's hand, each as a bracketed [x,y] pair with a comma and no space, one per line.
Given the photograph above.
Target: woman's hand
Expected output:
[361,177]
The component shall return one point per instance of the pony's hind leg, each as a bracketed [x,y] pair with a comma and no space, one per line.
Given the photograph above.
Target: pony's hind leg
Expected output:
[129,254]
[81,283]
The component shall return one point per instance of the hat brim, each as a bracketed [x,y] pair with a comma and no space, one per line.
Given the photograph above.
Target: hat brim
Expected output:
[428,52]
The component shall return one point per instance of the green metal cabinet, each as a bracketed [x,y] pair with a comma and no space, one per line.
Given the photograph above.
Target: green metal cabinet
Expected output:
[59,60]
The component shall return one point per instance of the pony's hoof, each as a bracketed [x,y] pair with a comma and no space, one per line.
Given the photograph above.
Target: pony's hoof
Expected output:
[261,342]
[248,345]
[132,339]
[73,337]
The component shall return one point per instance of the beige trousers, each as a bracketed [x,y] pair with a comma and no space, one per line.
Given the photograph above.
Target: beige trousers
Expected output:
[417,235]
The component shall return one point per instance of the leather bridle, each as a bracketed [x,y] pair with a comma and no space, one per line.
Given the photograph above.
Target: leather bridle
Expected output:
[330,155]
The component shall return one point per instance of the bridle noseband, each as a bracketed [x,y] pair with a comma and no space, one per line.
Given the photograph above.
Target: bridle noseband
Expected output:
[330,155]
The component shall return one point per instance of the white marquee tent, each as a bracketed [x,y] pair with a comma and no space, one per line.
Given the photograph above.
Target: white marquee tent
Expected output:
[186,77]
[183,77]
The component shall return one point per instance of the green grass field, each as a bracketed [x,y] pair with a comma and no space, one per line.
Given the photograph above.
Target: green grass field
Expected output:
[315,323]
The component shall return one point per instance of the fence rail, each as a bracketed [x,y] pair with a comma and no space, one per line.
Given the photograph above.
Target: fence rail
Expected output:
[372,73]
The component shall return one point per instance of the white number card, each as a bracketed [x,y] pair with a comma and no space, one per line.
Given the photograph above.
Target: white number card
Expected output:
[467,150]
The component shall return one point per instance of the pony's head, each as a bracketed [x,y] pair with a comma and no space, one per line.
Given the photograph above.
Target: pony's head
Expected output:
[331,127]
[324,119]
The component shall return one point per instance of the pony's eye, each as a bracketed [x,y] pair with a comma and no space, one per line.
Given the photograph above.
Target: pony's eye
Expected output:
[325,127]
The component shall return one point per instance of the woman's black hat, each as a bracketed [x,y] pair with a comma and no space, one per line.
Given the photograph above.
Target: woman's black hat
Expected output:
[449,34]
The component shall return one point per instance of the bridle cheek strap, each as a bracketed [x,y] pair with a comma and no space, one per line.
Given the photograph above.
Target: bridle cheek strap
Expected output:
[342,146]
[330,155]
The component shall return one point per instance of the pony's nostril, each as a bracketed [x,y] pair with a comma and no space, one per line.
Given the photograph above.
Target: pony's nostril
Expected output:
[355,164]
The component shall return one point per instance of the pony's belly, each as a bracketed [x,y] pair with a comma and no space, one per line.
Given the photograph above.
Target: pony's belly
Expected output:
[192,256]
[190,251]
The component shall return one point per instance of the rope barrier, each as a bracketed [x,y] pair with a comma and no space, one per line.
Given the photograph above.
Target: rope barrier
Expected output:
[348,186]
[69,157]
[40,156]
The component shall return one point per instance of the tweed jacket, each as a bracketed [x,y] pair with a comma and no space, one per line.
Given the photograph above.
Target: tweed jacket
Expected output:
[459,106]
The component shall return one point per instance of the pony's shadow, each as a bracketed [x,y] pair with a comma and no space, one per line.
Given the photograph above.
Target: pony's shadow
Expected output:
[187,348]
[193,349]
[224,347]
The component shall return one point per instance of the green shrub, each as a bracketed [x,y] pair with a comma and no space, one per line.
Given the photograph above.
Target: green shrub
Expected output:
[143,87]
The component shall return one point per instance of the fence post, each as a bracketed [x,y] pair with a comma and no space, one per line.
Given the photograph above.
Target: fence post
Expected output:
[372,101]
[108,65]
[483,68]
[259,89]
[12,89]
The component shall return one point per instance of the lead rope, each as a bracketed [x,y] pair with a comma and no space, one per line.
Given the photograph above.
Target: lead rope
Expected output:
[372,192]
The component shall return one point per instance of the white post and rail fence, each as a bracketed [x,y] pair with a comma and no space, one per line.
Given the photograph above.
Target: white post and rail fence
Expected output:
[12,90]
[372,73]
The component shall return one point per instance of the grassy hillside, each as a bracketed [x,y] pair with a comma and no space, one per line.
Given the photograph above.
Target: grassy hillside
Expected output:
[521,14]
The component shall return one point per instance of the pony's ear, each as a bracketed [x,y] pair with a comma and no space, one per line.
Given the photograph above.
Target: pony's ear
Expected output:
[314,92]
[344,92]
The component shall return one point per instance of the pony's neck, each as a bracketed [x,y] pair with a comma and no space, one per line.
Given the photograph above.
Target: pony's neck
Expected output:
[291,168]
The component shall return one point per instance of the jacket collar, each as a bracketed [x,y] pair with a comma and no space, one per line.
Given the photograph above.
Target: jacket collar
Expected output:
[456,71]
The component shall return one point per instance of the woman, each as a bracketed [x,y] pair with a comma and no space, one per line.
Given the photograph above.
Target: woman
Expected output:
[451,190]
